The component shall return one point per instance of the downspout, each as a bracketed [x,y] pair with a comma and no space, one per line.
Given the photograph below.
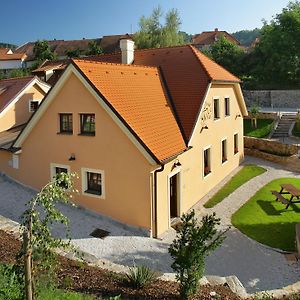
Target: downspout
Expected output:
[162,167]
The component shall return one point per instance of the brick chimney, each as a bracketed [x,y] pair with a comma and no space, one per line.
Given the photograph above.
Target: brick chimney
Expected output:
[127,50]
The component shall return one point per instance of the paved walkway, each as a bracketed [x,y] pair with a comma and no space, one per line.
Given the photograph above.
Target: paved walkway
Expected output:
[258,267]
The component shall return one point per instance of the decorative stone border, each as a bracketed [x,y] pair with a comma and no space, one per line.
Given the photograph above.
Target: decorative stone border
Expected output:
[232,282]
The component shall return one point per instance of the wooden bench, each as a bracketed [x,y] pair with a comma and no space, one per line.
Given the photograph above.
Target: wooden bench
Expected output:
[298,238]
[281,198]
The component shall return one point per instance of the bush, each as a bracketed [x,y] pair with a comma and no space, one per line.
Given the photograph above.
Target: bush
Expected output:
[139,277]
[192,244]
[11,283]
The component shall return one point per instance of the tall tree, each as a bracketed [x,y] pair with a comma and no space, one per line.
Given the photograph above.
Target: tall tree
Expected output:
[227,54]
[278,52]
[153,34]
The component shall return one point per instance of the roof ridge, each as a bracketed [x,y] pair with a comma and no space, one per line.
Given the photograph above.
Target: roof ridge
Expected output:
[20,77]
[201,53]
[116,64]
[162,48]
[193,49]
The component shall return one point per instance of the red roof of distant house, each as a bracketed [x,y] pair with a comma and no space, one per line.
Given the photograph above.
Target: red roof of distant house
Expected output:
[10,88]
[210,37]
[5,54]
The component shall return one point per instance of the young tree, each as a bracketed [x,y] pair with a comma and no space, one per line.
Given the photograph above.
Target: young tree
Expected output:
[254,113]
[193,243]
[73,53]
[38,240]
[42,51]
[94,49]
[153,34]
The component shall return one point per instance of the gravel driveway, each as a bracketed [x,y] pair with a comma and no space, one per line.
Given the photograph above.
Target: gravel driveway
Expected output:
[258,267]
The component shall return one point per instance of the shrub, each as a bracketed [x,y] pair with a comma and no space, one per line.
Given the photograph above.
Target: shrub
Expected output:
[139,277]
[193,243]
[11,283]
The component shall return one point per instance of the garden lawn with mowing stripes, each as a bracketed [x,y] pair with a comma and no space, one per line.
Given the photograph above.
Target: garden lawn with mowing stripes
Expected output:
[266,220]
[245,174]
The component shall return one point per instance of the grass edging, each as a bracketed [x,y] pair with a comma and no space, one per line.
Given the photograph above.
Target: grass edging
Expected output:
[245,174]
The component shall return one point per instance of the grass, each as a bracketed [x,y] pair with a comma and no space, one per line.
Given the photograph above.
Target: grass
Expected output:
[53,294]
[264,127]
[245,174]
[296,129]
[267,221]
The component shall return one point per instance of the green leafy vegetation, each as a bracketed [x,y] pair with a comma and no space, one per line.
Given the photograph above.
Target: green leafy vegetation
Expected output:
[42,51]
[153,34]
[296,128]
[7,45]
[264,127]
[245,174]
[247,37]
[139,277]
[194,241]
[94,49]
[227,54]
[268,221]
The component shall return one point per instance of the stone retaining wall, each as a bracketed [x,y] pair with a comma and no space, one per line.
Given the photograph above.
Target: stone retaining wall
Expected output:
[273,98]
[263,115]
[269,147]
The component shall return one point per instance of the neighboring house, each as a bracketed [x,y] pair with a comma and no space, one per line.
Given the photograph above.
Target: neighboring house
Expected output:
[50,71]
[10,60]
[149,132]
[206,39]
[109,44]
[19,99]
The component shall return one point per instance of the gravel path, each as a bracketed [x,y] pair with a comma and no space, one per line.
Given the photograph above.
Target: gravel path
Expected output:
[258,267]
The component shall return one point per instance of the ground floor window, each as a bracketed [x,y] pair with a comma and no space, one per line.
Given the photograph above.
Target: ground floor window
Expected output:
[206,160]
[57,169]
[236,143]
[224,151]
[93,182]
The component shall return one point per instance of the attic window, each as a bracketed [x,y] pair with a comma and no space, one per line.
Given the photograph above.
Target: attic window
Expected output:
[33,105]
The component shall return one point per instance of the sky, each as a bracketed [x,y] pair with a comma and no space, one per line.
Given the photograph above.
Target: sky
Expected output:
[74,19]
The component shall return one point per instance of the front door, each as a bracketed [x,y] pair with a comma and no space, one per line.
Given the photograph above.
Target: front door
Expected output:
[174,196]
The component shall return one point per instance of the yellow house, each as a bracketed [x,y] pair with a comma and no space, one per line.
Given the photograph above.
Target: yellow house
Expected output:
[150,132]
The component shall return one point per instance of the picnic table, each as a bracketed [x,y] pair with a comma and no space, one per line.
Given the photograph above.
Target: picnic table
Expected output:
[289,189]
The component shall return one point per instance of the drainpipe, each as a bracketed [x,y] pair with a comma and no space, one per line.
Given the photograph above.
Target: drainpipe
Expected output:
[162,167]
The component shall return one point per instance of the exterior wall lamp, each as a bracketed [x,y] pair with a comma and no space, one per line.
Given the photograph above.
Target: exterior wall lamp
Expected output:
[72,157]
[237,116]
[203,127]
[176,164]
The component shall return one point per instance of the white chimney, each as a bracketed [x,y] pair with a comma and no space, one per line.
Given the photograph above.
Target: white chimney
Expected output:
[127,49]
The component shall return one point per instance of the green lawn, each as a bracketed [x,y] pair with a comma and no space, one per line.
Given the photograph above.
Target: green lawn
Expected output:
[264,127]
[267,221]
[244,175]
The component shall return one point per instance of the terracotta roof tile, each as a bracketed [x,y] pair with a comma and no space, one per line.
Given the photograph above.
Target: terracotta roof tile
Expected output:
[187,72]
[9,88]
[4,55]
[210,37]
[137,94]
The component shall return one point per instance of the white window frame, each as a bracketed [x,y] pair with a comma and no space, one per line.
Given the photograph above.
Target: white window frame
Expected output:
[53,167]
[84,184]
[29,104]
[226,150]
[15,161]
[238,146]
[219,112]
[229,112]
[209,161]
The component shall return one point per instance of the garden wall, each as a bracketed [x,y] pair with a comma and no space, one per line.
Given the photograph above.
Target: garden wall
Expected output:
[273,98]
[264,115]
[269,147]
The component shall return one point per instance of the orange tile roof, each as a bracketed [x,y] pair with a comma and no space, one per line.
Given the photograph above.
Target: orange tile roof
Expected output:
[9,88]
[209,37]
[187,73]
[14,56]
[138,96]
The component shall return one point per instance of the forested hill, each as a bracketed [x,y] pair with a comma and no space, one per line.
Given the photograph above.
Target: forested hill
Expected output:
[246,37]
[6,45]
